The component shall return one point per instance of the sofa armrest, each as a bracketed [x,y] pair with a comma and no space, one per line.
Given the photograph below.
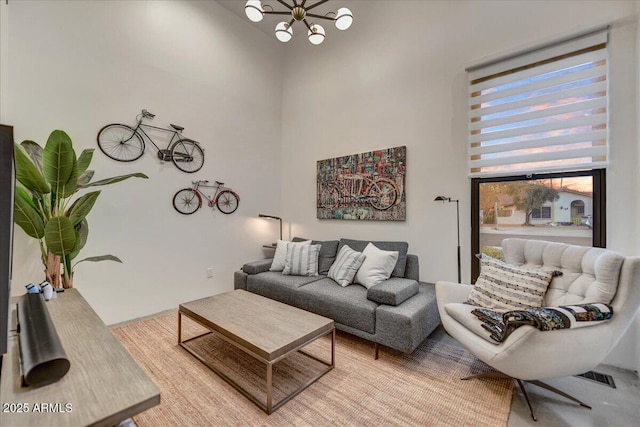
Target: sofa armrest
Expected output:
[393,291]
[256,267]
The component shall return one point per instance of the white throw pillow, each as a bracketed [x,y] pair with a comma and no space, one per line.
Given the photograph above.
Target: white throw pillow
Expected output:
[345,266]
[377,266]
[280,257]
[504,287]
[302,260]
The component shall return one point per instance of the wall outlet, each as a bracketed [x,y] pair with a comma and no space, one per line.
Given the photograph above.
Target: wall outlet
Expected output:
[209,273]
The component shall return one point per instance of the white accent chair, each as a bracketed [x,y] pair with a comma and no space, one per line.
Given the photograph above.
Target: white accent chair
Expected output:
[590,275]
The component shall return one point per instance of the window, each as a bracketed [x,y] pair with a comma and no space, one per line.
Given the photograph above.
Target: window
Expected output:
[558,220]
[541,213]
[538,145]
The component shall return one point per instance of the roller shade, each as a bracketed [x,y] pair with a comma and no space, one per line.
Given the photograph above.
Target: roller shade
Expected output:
[542,111]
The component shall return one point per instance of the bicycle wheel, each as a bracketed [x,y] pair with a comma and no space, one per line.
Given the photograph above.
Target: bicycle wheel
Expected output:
[187,201]
[382,195]
[330,196]
[187,155]
[227,201]
[120,142]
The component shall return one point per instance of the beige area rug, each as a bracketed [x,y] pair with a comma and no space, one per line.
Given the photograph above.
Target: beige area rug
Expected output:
[421,389]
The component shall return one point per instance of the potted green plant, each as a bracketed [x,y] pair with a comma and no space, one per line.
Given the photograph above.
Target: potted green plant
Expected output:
[44,209]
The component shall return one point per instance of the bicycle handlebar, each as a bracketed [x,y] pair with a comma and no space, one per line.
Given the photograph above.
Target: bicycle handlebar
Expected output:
[147,115]
[200,182]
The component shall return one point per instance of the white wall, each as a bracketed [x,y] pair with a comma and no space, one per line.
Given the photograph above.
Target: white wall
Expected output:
[78,65]
[397,78]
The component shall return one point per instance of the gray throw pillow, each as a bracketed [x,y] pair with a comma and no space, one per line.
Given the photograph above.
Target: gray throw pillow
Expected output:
[328,252]
[302,260]
[346,265]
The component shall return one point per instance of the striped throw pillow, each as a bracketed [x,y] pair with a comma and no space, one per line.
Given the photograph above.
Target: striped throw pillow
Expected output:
[302,260]
[346,265]
[504,287]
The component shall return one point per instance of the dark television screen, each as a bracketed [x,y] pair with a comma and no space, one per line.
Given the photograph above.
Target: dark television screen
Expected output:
[7,183]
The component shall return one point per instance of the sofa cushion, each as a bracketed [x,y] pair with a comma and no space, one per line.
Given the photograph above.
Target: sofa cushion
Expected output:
[274,285]
[302,260]
[401,247]
[377,266]
[346,265]
[328,252]
[348,305]
[280,257]
[502,286]
[393,291]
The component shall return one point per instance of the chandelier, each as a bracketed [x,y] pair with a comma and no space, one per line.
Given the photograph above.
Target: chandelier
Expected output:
[299,12]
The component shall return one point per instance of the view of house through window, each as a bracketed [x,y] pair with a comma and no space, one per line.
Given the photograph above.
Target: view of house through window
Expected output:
[554,209]
[561,207]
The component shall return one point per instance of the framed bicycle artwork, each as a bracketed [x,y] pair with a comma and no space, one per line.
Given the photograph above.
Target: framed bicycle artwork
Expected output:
[365,186]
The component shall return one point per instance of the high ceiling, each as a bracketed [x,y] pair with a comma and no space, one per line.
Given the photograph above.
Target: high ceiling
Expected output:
[268,24]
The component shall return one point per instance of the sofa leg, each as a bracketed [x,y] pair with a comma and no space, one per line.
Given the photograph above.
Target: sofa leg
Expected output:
[377,347]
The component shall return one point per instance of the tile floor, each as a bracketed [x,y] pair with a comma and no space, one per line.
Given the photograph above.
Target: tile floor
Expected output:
[619,407]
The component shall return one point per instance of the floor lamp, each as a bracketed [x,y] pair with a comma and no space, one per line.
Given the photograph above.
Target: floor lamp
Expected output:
[273,217]
[449,199]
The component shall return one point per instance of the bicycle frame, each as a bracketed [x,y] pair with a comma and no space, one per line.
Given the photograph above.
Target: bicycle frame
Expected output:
[212,200]
[140,127]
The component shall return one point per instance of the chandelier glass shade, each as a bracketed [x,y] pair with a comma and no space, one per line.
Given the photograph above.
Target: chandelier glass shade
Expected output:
[299,11]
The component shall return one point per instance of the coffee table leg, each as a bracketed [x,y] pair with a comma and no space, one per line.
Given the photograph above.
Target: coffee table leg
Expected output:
[269,387]
[179,328]
[333,348]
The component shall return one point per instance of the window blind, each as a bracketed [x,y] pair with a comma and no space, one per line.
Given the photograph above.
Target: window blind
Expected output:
[542,111]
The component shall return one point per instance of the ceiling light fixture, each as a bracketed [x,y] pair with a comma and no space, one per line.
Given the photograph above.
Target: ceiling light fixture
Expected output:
[343,18]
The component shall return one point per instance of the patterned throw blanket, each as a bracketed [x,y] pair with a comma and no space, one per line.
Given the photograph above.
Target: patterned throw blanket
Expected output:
[501,325]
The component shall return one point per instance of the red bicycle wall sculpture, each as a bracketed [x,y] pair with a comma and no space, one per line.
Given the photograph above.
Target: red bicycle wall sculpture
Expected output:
[189,200]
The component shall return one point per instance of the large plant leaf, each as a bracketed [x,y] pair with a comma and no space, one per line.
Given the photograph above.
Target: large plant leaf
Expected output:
[84,160]
[57,160]
[34,150]
[59,235]
[26,214]
[71,186]
[81,207]
[115,179]
[82,233]
[84,179]
[28,174]
[100,258]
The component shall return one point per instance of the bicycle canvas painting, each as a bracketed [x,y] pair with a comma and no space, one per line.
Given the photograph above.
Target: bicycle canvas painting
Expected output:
[365,186]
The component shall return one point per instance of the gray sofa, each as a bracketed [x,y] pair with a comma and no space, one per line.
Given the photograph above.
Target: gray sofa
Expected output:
[399,313]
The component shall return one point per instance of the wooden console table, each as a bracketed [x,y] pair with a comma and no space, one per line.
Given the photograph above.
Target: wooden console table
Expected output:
[103,386]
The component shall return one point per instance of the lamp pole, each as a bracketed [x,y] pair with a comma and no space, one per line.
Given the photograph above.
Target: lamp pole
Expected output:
[449,199]
[458,223]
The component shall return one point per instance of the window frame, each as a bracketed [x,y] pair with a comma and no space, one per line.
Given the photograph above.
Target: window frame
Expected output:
[538,213]
[599,207]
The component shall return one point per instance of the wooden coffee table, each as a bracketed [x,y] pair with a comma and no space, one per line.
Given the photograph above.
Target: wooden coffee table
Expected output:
[266,329]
